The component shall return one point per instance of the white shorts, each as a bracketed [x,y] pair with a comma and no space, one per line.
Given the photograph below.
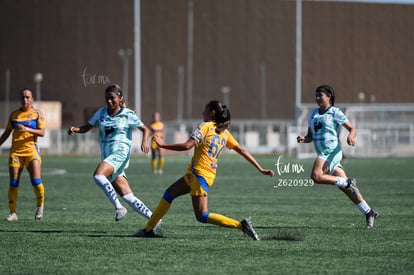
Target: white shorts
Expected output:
[120,162]
[333,159]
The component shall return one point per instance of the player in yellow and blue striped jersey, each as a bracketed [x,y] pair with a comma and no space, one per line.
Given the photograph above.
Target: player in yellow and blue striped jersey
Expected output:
[27,124]
[157,157]
[208,140]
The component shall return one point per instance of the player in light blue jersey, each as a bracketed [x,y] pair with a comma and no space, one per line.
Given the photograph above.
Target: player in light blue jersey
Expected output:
[325,123]
[116,123]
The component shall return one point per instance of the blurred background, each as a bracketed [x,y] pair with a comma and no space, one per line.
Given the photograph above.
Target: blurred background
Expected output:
[264,58]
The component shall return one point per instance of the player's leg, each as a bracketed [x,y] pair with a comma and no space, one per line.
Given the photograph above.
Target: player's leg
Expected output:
[15,170]
[122,187]
[319,174]
[101,174]
[200,206]
[356,197]
[154,160]
[160,161]
[34,169]
[323,168]
[199,195]
[178,188]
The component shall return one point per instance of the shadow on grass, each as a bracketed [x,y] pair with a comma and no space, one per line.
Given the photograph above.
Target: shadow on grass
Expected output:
[292,234]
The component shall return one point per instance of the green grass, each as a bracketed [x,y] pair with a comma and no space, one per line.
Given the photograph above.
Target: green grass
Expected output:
[304,230]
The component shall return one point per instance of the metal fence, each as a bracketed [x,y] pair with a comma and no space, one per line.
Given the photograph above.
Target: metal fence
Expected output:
[382,130]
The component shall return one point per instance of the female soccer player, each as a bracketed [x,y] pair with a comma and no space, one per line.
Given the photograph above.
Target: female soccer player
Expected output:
[157,158]
[324,125]
[209,139]
[115,123]
[27,124]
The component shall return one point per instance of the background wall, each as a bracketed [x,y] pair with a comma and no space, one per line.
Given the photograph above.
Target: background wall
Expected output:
[357,48]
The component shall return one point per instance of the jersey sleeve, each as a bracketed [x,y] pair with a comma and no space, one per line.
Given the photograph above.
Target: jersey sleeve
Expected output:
[133,120]
[231,141]
[198,134]
[41,124]
[94,120]
[340,117]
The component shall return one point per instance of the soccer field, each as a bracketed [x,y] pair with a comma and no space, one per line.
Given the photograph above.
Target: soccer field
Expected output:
[304,228]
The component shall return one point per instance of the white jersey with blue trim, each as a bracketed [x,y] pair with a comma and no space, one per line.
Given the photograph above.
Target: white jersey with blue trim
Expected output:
[115,132]
[325,129]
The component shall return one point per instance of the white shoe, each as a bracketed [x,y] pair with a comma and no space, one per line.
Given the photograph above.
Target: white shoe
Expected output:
[39,213]
[12,217]
[120,213]
[370,218]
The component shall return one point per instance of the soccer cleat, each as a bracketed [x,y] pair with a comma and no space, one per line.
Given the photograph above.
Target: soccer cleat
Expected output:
[370,218]
[248,229]
[120,213]
[39,213]
[12,217]
[144,234]
[352,187]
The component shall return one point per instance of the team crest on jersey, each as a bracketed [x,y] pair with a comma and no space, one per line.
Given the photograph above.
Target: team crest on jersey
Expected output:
[121,119]
[198,135]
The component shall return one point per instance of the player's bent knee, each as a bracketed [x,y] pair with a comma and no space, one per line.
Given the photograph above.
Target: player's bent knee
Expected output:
[14,183]
[36,181]
[167,196]
[203,217]
[316,177]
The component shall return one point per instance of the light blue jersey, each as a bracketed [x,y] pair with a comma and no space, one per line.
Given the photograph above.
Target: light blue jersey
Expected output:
[115,137]
[115,132]
[325,130]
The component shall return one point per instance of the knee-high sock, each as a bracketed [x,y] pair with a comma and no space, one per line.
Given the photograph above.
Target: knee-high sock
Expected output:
[108,189]
[154,164]
[161,163]
[13,192]
[137,205]
[39,191]
[158,213]
[221,220]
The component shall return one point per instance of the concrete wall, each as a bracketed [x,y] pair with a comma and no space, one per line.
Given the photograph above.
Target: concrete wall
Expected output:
[357,48]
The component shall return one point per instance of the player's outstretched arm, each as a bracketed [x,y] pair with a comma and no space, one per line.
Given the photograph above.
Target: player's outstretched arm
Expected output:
[190,143]
[244,153]
[80,130]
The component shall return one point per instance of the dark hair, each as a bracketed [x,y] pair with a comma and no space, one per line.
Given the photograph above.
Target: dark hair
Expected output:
[116,89]
[326,89]
[222,115]
[25,89]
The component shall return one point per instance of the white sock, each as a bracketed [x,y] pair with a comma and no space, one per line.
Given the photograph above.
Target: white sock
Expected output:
[364,207]
[138,205]
[341,182]
[108,189]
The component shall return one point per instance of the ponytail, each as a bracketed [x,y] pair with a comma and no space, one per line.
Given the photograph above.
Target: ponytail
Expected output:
[222,115]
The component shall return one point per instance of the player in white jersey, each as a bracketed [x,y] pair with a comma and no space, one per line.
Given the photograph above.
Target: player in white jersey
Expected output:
[116,123]
[325,123]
